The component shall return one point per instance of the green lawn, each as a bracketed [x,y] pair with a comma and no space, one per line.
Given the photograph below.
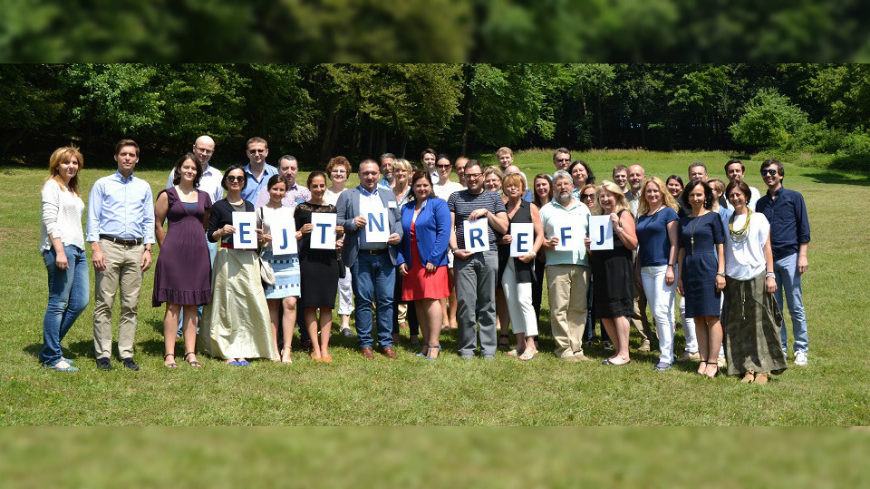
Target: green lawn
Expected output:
[832,390]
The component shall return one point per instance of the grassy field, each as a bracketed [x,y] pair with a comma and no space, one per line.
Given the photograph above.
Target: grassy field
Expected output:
[832,390]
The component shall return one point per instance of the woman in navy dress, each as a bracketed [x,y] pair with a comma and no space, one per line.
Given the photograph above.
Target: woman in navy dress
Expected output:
[701,271]
[182,277]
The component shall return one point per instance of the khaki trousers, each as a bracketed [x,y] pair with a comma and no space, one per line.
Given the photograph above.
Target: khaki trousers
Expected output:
[567,286]
[122,269]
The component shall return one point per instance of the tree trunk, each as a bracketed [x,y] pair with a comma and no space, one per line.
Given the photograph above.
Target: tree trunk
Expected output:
[467,125]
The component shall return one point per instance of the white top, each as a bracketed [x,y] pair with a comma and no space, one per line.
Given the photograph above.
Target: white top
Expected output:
[271,215]
[446,190]
[744,260]
[754,195]
[331,197]
[209,182]
[61,217]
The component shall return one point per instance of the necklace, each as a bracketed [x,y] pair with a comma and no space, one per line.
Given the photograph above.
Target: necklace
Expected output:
[741,234]
[695,227]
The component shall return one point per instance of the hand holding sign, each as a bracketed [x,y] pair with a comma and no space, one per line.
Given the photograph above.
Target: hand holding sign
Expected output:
[376,220]
[323,231]
[522,238]
[245,237]
[476,234]
[601,233]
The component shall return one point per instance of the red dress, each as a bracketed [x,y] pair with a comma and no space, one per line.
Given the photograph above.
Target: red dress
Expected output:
[420,284]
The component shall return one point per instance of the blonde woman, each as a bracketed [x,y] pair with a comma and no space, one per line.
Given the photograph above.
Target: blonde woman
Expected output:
[658,230]
[63,250]
[612,271]
[404,312]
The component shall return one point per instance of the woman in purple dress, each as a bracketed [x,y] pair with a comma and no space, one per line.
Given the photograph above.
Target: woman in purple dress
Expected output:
[182,278]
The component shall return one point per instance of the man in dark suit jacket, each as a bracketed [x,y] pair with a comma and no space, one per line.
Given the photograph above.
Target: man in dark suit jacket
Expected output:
[373,264]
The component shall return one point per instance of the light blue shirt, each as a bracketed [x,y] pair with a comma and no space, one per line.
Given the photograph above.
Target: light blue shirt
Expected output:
[121,207]
[554,214]
[252,190]
[375,200]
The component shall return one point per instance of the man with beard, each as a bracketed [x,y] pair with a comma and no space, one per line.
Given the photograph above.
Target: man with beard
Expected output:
[567,270]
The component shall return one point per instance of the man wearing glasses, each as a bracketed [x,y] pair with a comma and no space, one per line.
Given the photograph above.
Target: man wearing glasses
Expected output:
[257,170]
[476,273]
[789,236]
[562,159]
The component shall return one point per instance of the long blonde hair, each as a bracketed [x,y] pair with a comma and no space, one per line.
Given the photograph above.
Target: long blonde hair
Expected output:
[667,198]
[62,155]
[621,202]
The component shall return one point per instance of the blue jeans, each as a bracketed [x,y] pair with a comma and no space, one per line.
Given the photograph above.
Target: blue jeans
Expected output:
[374,279]
[788,280]
[68,295]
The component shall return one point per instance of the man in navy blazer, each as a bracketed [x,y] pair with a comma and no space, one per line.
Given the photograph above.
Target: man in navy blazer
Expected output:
[373,265]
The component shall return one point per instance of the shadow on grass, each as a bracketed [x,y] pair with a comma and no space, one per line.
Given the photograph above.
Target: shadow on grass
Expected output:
[845,170]
[73,351]
[840,178]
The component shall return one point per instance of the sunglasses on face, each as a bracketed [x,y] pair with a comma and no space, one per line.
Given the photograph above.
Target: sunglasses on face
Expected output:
[768,172]
[588,196]
[563,159]
[255,151]
[442,166]
[233,178]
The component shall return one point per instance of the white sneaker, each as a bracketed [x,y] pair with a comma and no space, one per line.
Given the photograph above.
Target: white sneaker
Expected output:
[800,358]
[346,332]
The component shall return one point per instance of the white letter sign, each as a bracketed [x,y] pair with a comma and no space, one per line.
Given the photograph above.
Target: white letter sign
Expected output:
[245,237]
[323,234]
[476,235]
[522,238]
[601,233]
[570,233]
[283,236]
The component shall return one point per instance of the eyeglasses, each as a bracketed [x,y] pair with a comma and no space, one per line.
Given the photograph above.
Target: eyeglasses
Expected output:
[588,196]
[233,178]
[563,159]
[768,172]
[443,166]
[473,175]
[205,151]
[255,151]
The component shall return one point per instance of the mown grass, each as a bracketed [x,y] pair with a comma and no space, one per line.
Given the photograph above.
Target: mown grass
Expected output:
[832,390]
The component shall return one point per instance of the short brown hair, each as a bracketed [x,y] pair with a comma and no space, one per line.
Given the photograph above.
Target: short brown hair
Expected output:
[126,142]
[256,139]
[339,161]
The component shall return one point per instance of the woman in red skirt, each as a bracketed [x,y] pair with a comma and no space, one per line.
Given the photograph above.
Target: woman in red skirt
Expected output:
[423,257]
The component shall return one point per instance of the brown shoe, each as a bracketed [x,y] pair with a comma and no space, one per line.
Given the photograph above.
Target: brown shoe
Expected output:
[761,379]
[368,353]
[389,352]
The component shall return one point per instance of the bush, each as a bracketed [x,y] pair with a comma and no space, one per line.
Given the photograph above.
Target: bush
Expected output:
[769,121]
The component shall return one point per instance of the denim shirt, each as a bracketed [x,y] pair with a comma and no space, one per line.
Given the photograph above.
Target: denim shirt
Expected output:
[789,223]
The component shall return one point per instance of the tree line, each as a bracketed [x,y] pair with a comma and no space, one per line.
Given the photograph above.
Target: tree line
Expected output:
[316,111]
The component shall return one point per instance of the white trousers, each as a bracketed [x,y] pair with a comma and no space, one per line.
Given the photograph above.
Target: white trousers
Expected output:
[661,299]
[519,301]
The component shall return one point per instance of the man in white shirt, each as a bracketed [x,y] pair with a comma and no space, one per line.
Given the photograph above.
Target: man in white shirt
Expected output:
[388,181]
[735,170]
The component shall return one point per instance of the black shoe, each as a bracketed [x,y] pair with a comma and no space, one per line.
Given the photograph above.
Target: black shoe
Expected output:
[104,364]
[129,363]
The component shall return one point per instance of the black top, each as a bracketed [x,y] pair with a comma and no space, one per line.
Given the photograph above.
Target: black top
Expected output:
[525,271]
[221,215]
[302,215]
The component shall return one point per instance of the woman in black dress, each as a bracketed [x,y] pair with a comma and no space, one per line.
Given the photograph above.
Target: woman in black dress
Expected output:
[612,271]
[701,271]
[319,269]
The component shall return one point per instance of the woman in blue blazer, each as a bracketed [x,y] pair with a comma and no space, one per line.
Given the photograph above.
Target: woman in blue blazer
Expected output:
[422,257]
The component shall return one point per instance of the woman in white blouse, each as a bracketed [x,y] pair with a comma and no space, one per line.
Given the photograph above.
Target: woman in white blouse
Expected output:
[750,316]
[63,250]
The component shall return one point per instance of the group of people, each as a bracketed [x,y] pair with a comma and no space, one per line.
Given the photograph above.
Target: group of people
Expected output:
[444,261]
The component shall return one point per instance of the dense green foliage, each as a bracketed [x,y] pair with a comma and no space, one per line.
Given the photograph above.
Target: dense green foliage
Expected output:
[316,111]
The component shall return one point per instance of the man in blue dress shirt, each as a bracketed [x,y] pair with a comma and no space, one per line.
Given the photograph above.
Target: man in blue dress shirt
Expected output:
[121,232]
[257,171]
[789,236]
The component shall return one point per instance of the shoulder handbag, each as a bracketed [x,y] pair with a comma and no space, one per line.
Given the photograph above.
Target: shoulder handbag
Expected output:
[267,275]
